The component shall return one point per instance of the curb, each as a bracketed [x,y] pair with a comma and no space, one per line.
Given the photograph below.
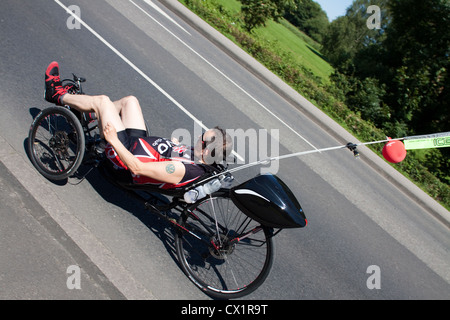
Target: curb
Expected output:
[316,115]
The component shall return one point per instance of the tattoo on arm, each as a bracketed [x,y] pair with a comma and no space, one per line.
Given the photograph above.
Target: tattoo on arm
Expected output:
[170,168]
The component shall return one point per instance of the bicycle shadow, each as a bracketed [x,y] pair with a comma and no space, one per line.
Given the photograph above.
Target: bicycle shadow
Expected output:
[120,198]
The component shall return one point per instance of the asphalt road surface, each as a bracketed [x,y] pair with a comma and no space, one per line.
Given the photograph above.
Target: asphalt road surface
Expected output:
[365,238]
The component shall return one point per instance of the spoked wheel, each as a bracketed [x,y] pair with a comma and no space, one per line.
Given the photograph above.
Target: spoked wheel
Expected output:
[230,254]
[56,143]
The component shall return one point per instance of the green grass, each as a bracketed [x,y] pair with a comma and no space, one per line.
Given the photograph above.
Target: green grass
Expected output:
[289,39]
[231,5]
[302,52]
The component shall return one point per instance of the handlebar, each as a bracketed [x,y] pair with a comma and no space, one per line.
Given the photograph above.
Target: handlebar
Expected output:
[78,79]
[75,84]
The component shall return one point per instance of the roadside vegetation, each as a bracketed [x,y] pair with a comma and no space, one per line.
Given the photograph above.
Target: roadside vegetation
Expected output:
[387,81]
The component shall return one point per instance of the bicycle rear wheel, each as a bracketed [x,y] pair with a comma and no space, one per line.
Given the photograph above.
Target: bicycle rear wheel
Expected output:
[56,143]
[230,254]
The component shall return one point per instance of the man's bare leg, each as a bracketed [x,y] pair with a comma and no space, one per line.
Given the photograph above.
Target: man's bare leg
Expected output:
[103,107]
[130,112]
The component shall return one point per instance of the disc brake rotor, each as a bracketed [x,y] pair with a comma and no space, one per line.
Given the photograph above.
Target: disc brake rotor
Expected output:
[222,248]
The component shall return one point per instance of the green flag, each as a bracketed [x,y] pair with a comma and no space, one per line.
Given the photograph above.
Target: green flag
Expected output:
[425,142]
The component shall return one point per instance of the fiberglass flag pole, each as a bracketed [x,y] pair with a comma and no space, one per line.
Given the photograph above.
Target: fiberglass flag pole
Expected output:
[394,151]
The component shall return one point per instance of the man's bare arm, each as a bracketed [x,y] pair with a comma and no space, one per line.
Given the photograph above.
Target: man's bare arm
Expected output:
[167,171]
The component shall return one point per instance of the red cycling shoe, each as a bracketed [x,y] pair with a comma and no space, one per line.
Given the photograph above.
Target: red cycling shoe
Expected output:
[54,90]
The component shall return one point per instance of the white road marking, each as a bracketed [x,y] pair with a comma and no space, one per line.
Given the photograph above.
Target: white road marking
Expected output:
[154,6]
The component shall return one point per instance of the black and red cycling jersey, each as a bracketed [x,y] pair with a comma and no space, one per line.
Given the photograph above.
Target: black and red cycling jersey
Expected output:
[157,149]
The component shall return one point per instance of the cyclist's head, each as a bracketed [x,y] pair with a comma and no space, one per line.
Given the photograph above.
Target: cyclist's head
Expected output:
[215,146]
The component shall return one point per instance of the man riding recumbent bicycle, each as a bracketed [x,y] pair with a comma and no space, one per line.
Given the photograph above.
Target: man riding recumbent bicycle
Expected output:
[223,234]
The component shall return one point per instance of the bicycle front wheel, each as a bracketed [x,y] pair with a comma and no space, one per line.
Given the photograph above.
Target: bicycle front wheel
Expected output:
[226,253]
[56,143]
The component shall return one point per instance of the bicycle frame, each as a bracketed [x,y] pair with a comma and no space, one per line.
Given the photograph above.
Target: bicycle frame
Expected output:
[185,209]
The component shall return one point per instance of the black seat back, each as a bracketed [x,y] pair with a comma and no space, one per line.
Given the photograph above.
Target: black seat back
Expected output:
[123,179]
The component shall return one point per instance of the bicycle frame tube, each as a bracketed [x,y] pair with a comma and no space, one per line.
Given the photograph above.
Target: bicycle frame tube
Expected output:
[246,235]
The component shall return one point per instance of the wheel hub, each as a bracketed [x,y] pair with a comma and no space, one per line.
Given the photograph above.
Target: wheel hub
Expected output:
[59,143]
[221,248]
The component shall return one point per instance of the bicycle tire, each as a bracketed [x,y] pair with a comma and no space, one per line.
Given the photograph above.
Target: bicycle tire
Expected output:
[56,143]
[234,270]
